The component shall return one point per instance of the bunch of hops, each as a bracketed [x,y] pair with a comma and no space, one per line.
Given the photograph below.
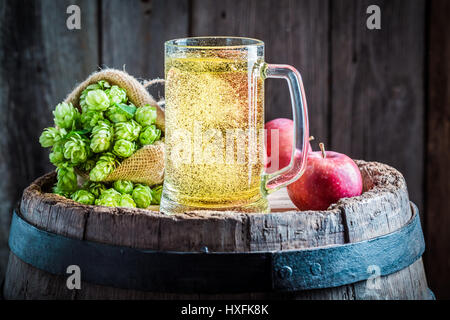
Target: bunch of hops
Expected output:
[126,194]
[108,130]
[121,193]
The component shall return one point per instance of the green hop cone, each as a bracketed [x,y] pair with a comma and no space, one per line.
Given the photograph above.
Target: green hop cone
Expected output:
[116,114]
[84,93]
[50,136]
[109,198]
[97,100]
[76,149]
[96,188]
[107,202]
[57,155]
[127,201]
[102,136]
[90,119]
[124,148]
[149,135]
[127,130]
[156,194]
[83,197]
[67,178]
[58,191]
[88,165]
[146,115]
[102,84]
[123,186]
[66,116]
[116,95]
[110,193]
[142,196]
[104,166]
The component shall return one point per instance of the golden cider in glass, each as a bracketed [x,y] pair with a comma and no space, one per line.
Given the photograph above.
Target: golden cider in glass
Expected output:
[214,125]
[213,131]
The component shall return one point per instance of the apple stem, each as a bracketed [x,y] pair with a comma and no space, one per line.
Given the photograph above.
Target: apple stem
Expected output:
[322,148]
[311,138]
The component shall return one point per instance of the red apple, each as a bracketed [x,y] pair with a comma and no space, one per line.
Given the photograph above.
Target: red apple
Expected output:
[329,176]
[281,143]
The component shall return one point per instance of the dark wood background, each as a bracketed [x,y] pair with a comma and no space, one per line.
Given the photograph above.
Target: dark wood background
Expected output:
[373,94]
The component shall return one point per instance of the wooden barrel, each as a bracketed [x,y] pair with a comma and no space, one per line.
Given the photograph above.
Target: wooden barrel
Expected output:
[366,247]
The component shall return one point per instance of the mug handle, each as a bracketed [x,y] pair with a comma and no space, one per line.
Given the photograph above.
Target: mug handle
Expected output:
[281,178]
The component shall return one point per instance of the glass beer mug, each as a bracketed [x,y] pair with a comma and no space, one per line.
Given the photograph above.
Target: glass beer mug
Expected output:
[214,137]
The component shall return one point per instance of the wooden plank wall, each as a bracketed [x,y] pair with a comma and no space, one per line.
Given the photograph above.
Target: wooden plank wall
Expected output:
[438,150]
[377,93]
[40,62]
[373,94]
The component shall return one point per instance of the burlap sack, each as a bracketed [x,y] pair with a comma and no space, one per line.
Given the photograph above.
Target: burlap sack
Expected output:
[147,164]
